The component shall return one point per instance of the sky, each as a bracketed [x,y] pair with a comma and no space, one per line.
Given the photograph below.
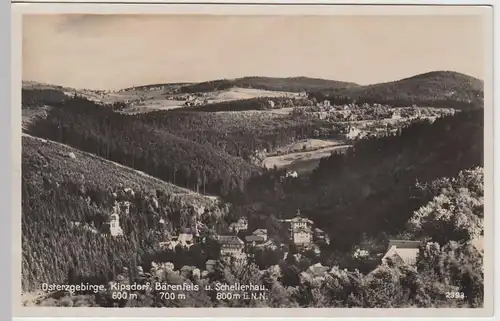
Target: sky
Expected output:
[117,51]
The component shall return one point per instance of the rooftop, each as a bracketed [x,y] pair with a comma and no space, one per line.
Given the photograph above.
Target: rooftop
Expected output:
[254,238]
[188,268]
[317,269]
[230,239]
[408,256]
[404,244]
[260,231]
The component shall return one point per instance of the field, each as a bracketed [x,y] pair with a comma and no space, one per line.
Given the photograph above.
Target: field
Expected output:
[245,93]
[140,101]
[307,145]
[303,162]
[282,111]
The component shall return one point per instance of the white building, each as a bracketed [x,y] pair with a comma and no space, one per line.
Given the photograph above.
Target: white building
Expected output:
[302,236]
[231,245]
[402,251]
[354,133]
[261,233]
[114,225]
[299,229]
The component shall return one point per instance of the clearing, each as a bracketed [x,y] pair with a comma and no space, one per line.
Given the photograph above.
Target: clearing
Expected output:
[302,162]
[237,93]
[307,145]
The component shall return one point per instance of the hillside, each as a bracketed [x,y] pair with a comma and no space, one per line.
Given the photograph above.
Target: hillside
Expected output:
[146,146]
[371,189]
[36,94]
[39,85]
[435,89]
[259,103]
[291,84]
[163,86]
[62,186]
[374,186]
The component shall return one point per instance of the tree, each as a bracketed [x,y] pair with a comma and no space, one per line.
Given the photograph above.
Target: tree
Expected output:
[453,267]
[456,210]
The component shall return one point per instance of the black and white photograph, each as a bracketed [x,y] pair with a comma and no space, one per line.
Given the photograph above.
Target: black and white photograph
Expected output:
[253,161]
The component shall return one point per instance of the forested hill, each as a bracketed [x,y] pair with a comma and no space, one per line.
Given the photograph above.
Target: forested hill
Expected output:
[146,146]
[291,84]
[36,94]
[436,89]
[67,195]
[372,189]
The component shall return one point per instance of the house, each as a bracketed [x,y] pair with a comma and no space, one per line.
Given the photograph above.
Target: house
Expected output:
[112,226]
[269,244]
[210,265]
[319,234]
[186,235]
[324,103]
[187,270]
[297,222]
[230,245]
[299,229]
[396,114]
[253,240]
[316,271]
[240,225]
[402,251]
[261,233]
[354,133]
[301,236]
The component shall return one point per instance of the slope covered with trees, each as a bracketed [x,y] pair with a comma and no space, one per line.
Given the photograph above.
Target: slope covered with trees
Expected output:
[291,84]
[36,94]
[239,133]
[423,183]
[68,195]
[41,97]
[371,189]
[206,152]
[143,146]
[435,89]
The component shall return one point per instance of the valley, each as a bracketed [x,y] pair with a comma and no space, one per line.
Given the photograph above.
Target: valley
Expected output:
[188,182]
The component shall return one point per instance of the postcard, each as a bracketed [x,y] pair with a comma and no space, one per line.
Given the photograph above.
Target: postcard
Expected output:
[305,160]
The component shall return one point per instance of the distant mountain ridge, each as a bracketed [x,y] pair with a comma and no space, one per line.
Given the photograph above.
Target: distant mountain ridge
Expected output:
[436,88]
[291,84]
[442,80]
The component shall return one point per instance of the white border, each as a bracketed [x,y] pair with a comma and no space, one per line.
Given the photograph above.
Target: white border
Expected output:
[228,9]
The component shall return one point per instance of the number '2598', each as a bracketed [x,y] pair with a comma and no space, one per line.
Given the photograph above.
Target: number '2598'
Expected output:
[455,295]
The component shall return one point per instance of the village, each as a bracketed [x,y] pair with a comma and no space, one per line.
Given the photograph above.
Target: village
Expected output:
[239,243]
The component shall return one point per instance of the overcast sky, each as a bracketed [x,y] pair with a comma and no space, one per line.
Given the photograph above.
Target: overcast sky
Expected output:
[117,51]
